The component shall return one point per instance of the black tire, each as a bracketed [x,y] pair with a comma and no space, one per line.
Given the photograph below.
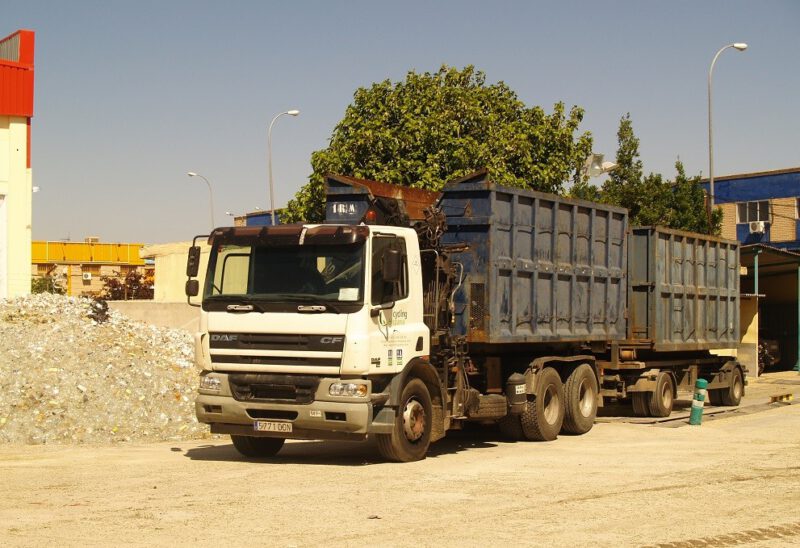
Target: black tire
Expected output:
[715,396]
[257,448]
[641,403]
[580,408]
[511,427]
[543,417]
[732,395]
[411,435]
[663,397]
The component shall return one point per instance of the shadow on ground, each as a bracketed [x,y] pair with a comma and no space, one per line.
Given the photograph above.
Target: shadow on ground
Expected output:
[338,453]
[616,409]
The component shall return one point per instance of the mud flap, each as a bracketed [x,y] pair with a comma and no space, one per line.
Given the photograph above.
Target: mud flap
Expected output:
[383,423]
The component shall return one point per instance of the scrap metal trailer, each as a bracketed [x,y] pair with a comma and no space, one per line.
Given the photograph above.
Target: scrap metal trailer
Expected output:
[555,282]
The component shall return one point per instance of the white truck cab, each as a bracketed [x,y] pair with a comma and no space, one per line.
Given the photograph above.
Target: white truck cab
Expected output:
[303,329]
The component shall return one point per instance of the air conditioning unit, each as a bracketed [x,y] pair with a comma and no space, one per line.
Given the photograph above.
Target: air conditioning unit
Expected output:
[757,227]
[87,276]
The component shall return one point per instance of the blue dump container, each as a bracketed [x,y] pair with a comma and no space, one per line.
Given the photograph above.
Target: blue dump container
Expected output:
[537,268]
[684,290]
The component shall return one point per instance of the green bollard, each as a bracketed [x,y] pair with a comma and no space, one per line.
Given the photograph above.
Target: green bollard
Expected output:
[699,399]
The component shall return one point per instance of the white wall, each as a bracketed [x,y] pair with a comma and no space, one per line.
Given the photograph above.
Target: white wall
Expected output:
[15,186]
[3,248]
[170,273]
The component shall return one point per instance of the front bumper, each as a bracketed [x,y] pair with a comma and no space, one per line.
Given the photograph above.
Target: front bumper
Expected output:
[326,417]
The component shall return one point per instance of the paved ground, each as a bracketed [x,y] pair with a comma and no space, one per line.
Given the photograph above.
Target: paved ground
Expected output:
[732,481]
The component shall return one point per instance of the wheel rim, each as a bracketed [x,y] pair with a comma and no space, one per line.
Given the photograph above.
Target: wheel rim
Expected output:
[414,420]
[551,405]
[666,395]
[737,387]
[585,398]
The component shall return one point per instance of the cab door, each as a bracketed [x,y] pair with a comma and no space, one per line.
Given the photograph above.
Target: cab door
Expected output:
[393,337]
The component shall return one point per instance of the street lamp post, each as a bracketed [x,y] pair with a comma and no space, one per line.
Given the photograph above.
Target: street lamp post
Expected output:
[740,46]
[210,195]
[293,112]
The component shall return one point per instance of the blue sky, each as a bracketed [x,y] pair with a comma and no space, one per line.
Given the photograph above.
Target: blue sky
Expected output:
[132,95]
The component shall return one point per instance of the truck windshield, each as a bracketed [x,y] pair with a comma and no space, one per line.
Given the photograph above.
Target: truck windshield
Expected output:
[299,273]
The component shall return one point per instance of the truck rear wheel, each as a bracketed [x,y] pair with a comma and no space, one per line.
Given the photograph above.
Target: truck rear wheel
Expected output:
[639,401]
[511,427]
[661,399]
[411,434]
[580,392]
[254,447]
[733,394]
[543,417]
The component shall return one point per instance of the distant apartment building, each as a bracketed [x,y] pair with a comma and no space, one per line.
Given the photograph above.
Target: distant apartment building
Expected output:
[16,111]
[760,208]
[259,217]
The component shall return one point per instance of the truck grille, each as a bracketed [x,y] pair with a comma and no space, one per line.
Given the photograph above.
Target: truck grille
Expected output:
[285,349]
[259,387]
[282,360]
[284,341]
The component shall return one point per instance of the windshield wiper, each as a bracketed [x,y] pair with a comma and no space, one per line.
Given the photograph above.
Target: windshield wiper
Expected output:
[315,304]
[242,304]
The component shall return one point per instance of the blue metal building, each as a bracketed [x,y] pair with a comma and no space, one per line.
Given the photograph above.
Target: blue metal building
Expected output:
[760,207]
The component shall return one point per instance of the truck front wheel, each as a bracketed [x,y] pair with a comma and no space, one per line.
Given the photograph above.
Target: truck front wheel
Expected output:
[411,434]
[254,447]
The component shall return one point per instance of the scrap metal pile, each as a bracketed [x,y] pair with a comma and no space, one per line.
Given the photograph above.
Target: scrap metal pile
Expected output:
[72,371]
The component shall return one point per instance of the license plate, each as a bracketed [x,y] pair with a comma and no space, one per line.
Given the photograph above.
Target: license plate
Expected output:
[269,426]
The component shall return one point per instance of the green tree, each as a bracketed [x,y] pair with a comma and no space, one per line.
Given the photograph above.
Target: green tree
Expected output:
[652,199]
[433,127]
[689,211]
[646,198]
[47,284]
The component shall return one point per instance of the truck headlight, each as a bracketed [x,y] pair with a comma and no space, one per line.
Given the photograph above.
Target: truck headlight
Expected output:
[348,389]
[210,383]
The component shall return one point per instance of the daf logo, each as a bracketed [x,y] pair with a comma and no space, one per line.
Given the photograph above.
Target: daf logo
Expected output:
[331,340]
[225,338]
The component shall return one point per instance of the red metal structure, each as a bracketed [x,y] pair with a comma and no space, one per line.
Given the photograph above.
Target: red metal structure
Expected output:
[16,77]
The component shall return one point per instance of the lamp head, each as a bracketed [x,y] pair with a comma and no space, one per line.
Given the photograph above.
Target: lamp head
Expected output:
[295,112]
[593,166]
[192,174]
[741,46]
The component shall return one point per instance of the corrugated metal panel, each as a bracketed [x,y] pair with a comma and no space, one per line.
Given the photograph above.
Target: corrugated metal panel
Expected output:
[16,74]
[684,290]
[83,253]
[9,48]
[539,268]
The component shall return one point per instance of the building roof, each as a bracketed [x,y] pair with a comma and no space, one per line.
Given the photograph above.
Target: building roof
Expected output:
[16,74]
[771,260]
[786,171]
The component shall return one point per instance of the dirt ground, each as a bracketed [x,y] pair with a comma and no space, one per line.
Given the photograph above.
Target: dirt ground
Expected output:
[731,481]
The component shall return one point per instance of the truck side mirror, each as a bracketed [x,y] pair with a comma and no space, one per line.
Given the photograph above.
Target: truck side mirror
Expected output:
[193,262]
[392,266]
[192,288]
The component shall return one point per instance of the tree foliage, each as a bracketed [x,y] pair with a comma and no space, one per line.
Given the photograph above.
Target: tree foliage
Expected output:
[653,199]
[433,127]
[135,285]
[47,284]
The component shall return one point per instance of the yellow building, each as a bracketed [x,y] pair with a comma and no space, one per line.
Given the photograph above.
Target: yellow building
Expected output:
[16,110]
[79,267]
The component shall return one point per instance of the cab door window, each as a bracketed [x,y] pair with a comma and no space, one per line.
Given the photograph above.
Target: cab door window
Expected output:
[383,291]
